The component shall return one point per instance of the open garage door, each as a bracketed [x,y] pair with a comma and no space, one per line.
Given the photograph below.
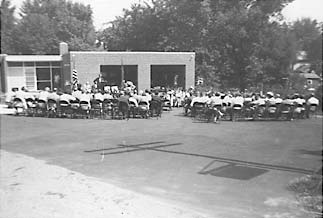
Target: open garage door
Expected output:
[169,76]
[112,74]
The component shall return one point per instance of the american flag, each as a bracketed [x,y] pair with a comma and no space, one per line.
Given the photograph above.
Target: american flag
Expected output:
[74,78]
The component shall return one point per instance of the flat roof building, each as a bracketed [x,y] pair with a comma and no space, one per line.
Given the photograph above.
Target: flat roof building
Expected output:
[144,69]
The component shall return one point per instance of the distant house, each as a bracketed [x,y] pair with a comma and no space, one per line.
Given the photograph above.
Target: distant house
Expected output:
[303,68]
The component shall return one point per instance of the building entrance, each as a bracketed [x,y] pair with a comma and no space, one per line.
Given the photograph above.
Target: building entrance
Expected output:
[113,73]
[168,76]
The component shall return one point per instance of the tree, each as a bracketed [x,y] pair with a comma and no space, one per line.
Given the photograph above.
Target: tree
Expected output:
[45,23]
[8,23]
[237,43]
[248,41]
[309,37]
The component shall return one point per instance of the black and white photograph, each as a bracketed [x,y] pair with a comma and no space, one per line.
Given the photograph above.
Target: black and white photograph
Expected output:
[161,109]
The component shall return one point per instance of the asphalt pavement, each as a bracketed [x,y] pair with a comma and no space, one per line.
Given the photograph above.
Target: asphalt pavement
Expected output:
[228,169]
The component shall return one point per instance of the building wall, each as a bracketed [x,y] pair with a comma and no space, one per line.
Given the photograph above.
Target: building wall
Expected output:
[3,77]
[88,64]
[30,71]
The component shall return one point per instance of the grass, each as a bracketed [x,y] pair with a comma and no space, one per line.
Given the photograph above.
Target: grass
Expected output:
[308,190]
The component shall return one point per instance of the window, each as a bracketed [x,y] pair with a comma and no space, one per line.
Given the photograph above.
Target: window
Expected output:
[56,63]
[43,78]
[43,85]
[14,64]
[29,64]
[30,78]
[43,73]
[45,64]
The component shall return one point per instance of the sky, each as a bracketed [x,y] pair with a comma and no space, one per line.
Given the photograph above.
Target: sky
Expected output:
[106,10]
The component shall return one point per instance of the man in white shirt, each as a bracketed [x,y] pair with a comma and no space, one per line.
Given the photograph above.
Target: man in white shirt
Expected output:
[98,96]
[199,98]
[278,99]
[107,96]
[270,98]
[133,100]
[21,95]
[312,101]
[86,96]
[148,95]
[77,93]
[299,100]
[238,100]
[66,97]
[144,98]
[10,96]
[311,105]
[288,101]
[87,87]
[247,98]
[53,96]
[227,100]
[216,100]
[43,95]
[261,101]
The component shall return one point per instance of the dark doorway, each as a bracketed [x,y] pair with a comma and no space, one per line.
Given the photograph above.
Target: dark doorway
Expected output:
[112,74]
[169,76]
[56,78]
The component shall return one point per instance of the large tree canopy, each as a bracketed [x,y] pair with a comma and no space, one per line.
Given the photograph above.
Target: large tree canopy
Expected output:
[308,35]
[45,23]
[237,43]
[8,22]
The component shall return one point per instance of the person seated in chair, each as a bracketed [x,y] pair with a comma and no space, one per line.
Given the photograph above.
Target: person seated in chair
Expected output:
[77,93]
[53,95]
[156,97]
[10,96]
[67,97]
[86,98]
[227,100]
[278,99]
[21,95]
[311,105]
[43,95]
[145,98]
[238,100]
[98,96]
[133,100]
[216,100]
[198,98]
[312,100]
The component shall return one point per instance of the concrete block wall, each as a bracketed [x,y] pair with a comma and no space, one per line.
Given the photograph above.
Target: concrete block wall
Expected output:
[88,64]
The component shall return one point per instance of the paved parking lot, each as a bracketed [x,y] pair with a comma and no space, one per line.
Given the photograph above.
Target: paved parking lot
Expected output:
[229,169]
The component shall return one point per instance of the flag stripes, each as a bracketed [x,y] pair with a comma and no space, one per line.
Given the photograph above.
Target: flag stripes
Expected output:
[74,77]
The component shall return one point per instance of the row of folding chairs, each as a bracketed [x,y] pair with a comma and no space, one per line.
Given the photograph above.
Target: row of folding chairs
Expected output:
[254,112]
[109,108]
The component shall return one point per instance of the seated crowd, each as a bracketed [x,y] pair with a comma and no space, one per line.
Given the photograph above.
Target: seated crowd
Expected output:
[230,103]
[226,102]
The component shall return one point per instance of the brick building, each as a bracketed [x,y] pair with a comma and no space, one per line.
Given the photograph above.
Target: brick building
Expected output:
[144,69]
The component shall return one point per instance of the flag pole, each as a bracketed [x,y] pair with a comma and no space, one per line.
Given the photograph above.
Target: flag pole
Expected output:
[122,74]
[74,75]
